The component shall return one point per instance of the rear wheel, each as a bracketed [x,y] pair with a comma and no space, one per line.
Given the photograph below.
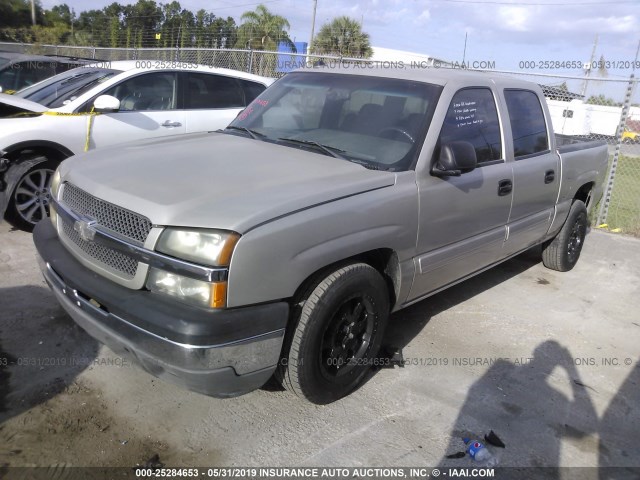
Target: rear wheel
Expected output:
[337,336]
[563,251]
[29,202]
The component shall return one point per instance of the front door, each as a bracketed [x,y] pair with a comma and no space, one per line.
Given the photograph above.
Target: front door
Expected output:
[463,219]
[148,109]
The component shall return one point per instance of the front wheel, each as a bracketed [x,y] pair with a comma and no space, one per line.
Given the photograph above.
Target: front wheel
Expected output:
[338,335]
[29,202]
[563,251]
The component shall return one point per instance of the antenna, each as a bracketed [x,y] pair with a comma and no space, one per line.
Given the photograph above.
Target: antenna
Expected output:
[464,53]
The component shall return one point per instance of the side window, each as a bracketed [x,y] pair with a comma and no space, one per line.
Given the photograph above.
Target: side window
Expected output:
[528,126]
[472,117]
[212,91]
[149,91]
[251,90]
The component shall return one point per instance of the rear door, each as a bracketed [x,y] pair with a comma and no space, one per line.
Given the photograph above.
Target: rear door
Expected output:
[463,219]
[536,171]
[212,101]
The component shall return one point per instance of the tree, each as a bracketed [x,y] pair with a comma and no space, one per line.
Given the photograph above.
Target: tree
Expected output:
[17,13]
[342,37]
[602,100]
[263,30]
[142,21]
[59,15]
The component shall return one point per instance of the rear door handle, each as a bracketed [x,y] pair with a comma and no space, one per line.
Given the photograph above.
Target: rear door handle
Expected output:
[504,187]
[167,123]
[549,176]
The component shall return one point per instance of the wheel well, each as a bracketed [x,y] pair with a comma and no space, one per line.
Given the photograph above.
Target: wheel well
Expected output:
[384,260]
[584,193]
[52,152]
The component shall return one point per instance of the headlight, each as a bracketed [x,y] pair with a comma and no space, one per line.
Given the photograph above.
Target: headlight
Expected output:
[189,290]
[55,189]
[212,248]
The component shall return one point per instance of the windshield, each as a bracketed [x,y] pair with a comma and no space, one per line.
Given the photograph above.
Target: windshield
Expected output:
[66,87]
[3,61]
[375,121]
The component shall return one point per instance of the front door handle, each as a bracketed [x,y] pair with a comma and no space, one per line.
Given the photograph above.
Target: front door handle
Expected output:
[168,123]
[549,176]
[504,187]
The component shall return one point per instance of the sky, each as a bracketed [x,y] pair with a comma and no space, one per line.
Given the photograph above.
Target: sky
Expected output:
[506,32]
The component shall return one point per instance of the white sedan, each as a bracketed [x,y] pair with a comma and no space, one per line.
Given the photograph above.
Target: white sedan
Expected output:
[104,104]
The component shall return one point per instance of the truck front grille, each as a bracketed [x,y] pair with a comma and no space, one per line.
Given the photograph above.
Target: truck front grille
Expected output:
[117,219]
[124,223]
[105,257]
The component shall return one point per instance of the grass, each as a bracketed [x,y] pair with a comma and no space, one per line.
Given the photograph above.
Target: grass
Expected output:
[624,209]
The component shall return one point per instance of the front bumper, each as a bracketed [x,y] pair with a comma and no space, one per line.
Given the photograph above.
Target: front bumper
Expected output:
[222,353]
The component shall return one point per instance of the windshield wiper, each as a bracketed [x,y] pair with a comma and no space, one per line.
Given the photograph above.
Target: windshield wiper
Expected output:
[328,149]
[253,133]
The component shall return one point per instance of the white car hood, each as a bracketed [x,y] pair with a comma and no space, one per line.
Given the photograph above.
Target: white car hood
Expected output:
[21,103]
[217,180]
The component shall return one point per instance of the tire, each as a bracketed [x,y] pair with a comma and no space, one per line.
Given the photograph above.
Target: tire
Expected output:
[337,336]
[563,251]
[29,201]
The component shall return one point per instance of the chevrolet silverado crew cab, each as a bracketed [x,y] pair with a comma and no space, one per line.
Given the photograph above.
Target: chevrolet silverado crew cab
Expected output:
[281,244]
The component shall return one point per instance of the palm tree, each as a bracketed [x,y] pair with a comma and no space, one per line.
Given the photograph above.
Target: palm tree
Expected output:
[263,30]
[342,37]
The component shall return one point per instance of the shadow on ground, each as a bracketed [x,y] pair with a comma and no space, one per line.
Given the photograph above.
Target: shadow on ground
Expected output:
[42,350]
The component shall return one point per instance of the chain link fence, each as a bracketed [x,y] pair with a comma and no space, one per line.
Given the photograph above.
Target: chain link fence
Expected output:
[577,105]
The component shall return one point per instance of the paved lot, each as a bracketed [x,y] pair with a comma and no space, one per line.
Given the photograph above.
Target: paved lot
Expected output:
[549,361]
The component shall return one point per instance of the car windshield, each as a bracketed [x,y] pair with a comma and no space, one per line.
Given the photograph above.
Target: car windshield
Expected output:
[3,61]
[66,87]
[375,121]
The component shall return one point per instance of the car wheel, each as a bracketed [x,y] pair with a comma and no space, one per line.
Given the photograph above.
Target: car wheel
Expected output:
[337,336]
[29,202]
[563,251]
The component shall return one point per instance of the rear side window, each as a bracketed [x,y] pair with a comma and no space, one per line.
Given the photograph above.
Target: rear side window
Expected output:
[251,90]
[213,91]
[528,126]
[472,117]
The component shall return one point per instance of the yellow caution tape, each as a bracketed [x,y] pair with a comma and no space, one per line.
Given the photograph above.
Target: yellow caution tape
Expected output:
[90,116]
[62,114]
[602,225]
[89,125]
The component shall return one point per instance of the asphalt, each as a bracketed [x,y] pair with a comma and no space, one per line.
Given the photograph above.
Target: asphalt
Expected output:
[549,361]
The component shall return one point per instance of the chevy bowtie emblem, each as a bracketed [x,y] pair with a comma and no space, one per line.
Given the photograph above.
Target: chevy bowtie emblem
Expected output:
[85,229]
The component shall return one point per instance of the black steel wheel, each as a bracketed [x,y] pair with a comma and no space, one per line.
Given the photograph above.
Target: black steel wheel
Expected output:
[562,253]
[335,339]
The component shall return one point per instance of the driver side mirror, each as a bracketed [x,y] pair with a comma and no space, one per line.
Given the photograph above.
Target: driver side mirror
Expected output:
[455,159]
[106,104]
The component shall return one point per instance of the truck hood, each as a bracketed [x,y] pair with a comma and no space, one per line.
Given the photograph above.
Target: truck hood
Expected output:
[22,104]
[217,180]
